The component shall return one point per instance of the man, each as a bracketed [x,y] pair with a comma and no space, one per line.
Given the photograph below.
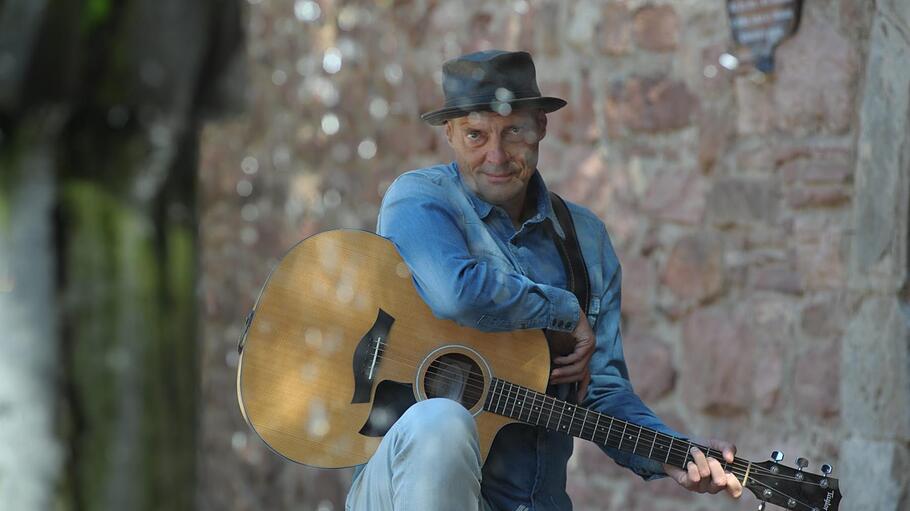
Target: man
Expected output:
[477,235]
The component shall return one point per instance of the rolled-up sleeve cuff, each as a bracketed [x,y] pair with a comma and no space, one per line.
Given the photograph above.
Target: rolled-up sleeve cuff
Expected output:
[649,470]
[564,313]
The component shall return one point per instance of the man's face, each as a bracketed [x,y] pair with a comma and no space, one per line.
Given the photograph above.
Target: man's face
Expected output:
[497,154]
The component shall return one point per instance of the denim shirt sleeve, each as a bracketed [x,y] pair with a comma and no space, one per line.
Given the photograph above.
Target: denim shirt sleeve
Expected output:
[420,219]
[610,390]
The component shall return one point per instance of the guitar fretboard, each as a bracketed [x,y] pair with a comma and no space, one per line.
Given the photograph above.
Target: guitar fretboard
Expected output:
[537,409]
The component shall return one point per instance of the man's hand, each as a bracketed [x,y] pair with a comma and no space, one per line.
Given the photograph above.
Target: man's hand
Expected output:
[705,475]
[573,366]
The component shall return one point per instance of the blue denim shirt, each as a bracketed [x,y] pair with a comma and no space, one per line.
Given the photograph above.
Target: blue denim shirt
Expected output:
[470,265]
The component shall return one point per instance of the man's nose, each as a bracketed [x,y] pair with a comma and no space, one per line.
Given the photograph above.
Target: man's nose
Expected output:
[496,155]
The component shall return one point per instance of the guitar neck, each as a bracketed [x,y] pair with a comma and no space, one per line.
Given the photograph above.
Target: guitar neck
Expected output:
[531,407]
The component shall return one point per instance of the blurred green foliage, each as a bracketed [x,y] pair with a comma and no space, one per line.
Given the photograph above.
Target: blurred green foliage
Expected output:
[94,14]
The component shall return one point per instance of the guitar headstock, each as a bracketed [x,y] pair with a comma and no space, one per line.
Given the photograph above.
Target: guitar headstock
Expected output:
[792,488]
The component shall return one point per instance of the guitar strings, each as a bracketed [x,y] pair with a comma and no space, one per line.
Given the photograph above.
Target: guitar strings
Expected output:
[586,429]
[666,441]
[454,374]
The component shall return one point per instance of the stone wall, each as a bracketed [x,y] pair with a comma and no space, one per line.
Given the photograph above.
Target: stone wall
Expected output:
[761,222]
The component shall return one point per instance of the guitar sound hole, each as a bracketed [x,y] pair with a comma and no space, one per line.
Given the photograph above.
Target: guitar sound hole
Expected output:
[454,376]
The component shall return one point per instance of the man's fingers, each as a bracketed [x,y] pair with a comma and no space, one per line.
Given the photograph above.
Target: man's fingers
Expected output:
[692,475]
[583,386]
[571,358]
[734,487]
[568,374]
[699,458]
[706,475]
[718,477]
[583,351]
[728,449]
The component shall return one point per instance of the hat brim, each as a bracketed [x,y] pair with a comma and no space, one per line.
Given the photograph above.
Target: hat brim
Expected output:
[439,117]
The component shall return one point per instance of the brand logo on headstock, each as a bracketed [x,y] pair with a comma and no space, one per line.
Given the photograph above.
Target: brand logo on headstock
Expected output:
[828,499]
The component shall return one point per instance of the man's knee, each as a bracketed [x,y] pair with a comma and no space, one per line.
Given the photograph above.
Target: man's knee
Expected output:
[437,425]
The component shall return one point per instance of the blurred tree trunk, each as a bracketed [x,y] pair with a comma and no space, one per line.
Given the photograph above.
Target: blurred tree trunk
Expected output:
[130,342]
[100,103]
[31,466]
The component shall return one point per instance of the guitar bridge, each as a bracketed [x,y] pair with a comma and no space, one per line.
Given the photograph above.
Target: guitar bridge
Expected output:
[367,356]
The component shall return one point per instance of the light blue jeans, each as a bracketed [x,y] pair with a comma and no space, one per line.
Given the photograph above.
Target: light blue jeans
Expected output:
[429,460]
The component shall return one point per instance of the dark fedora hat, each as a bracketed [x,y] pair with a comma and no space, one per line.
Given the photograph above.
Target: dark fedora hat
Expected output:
[492,80]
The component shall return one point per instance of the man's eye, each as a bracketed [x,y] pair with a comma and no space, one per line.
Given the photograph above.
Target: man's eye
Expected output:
[515,130]
[473,135]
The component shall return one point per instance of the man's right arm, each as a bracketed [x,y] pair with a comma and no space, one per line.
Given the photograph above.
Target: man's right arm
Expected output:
[426,228]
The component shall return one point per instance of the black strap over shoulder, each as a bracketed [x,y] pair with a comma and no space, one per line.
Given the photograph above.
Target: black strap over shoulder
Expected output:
[570,252]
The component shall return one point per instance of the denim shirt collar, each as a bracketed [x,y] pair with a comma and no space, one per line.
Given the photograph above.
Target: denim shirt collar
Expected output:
[536,188]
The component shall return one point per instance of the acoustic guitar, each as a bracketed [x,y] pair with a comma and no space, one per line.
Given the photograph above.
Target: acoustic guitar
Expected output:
[339,343]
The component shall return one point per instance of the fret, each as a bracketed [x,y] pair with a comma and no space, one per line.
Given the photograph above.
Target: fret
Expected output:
[521,402]
[571,420]
[583,421]
[526,404]
[653,441]
[686,458]
[549,415]
[541,406]
[513,401]
[669,449]
[497,390]
[559,422]
[609,430]
[506,397]
[622,436]
[596,423]
[530,401]
[637,439]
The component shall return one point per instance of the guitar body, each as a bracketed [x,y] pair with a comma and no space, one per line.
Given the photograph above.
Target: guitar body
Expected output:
[339,316]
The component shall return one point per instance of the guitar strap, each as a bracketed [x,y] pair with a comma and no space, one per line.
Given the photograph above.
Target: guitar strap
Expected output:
[570,252]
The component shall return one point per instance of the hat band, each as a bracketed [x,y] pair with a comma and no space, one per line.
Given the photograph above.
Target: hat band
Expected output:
[489,98]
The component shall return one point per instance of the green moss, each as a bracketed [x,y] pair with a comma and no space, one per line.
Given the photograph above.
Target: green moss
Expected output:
[93,306]
[132,293]
[11,149]
[168,443]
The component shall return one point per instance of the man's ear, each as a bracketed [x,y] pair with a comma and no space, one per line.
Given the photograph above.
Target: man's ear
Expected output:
[541,124]
[450,131]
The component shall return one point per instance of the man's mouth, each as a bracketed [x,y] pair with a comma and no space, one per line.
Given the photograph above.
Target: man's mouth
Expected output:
[498,178]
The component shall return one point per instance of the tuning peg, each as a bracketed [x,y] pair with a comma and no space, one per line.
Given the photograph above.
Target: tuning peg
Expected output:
[761,506]
[777,456]
[826,469]
[801,463]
